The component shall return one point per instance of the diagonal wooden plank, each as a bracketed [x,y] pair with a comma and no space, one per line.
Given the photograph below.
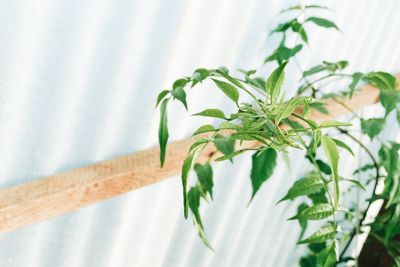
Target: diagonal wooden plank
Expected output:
[54,195]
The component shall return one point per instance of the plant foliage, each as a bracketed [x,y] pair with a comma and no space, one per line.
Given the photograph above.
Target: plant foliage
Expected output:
[263,114]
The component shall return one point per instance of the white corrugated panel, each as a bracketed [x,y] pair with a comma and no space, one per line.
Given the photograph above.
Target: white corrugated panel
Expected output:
[78,82]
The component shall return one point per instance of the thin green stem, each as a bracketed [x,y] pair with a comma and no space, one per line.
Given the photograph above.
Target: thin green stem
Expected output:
[311,84]
[376,165]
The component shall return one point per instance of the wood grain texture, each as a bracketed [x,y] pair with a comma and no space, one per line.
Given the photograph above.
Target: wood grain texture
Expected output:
[54,195]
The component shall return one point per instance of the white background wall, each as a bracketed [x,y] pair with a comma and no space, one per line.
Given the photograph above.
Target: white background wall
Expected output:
[78,82]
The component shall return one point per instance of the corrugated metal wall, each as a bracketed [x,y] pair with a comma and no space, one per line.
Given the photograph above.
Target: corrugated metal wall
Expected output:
[78,80]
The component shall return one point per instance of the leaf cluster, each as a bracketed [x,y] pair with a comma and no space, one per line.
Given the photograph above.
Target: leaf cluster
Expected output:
[267,123]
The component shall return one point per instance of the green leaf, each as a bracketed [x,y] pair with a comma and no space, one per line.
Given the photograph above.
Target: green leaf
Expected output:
[332,154]
[389,99]
[319,197]
[364,168]
[180,83]
[230,78]
[228,89]
[332,67]
[323,22]
[225,144]
[248,73]
[317,212]
[204,129]
[205,175]
[356,78]
[289,107]
[186,167]
[323,234]
[194,204]
[307,185]
[179,93]
[325,168]
[389,158]
[229,125]
[327,124]
[320,107]
[231,155]
[298,27]
[303,222]
[281,27]
[198,143]
[223,69]
[372,127]
[313,70]
[257,82]
[263,166]
[329,256]
[161,96]
[199,75]
[382,80]
[274,82]
[211,112]
[283,53]
[357,183]
[163,131]
[298,7]
[343,145]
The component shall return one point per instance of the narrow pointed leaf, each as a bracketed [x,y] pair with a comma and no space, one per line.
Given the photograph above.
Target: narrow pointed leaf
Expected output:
[230,79]
[263,166]
[204,129]
[332,154]
[317,212]
[186,167]
[389,99]
[329,256]
[298,7]
[305,186]
[228,89]
[205,175]
[274,82]
[343,145]
[303,222]
[357,183]
[198,143]
[323,22]
[323,234]
[161,96]
[212,112]
[320,107]
[194,204]
[180,83]
[229,125]
[179,93]
[327,124]
[382,80]
[356,78]
[372,127]
[163,131]
[325,168]
[231,155]
[314,70]
[224,144]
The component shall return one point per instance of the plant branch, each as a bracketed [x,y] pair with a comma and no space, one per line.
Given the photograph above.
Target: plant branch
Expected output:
[376,165]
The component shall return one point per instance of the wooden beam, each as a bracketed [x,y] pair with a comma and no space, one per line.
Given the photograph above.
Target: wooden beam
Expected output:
[54,195]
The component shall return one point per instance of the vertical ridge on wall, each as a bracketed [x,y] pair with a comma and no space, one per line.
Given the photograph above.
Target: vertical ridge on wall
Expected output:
[78,82]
